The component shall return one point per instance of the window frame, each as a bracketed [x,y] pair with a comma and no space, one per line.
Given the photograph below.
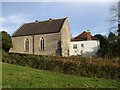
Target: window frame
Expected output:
[26,45]
[42,44]
[74,46]
[82,45]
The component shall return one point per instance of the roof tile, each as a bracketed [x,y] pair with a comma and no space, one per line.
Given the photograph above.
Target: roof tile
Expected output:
[42,27]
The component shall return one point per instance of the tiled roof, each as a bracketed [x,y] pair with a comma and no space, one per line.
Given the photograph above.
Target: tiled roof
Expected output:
[42,27]
[83,37]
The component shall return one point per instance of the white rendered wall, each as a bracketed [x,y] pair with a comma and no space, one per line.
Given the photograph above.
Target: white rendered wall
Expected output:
[90,48]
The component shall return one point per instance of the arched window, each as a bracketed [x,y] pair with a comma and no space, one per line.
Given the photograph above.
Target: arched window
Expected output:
[26,45]
[42,44]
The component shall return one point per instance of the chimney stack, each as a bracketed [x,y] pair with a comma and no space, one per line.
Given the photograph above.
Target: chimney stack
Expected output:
[88,35]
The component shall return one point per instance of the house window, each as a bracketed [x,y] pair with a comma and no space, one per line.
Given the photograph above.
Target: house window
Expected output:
[26,45]
[42,44]
[74,46]
[82,45]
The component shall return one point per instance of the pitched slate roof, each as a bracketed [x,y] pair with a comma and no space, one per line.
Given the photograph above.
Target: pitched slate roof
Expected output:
[82,37]
[42,27]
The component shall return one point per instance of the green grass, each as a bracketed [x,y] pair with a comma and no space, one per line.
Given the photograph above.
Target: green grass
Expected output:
[15,76]
[0,73]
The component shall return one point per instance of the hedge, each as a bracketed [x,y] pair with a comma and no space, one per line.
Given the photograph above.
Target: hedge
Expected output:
[91,67]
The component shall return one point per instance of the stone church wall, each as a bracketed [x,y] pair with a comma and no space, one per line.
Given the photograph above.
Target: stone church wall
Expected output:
[51,42]
[18,44]
[65,38]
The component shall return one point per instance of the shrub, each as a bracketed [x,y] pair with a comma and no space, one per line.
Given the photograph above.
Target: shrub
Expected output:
[91,67]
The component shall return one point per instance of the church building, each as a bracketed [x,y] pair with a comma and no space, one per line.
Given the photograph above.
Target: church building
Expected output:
[49,37]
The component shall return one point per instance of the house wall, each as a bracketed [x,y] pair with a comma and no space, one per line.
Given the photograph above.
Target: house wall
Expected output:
[18,44]
[90,48]
[65,38]
[51,44]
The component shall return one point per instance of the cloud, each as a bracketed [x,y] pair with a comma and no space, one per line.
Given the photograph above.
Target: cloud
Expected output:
[14,19]
[3,29]
[2,20]
[9,29]
[12,22]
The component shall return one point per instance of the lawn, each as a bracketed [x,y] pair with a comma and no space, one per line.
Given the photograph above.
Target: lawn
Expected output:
[14,76]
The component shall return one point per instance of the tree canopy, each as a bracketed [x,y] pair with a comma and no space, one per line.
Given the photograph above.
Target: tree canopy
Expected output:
[6,41]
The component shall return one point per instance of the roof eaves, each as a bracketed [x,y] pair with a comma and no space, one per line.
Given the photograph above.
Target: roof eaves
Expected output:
[34,34]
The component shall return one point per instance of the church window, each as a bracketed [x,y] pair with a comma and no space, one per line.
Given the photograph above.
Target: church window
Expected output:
[26,45]
[42,44]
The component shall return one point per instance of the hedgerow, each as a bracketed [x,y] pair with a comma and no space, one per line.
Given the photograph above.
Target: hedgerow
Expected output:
[91,67]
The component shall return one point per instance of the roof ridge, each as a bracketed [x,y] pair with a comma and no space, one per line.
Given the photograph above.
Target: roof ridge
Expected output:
[45,20]
[40,27]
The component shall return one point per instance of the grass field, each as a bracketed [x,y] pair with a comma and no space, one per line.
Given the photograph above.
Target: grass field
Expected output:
[15,76]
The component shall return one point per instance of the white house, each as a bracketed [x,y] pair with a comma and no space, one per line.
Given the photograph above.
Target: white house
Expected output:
[84,45]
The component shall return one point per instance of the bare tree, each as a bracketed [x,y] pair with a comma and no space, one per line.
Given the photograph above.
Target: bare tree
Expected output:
[115,18]
[119,18]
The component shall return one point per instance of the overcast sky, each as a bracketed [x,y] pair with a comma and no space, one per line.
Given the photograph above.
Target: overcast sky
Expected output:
[82,16]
